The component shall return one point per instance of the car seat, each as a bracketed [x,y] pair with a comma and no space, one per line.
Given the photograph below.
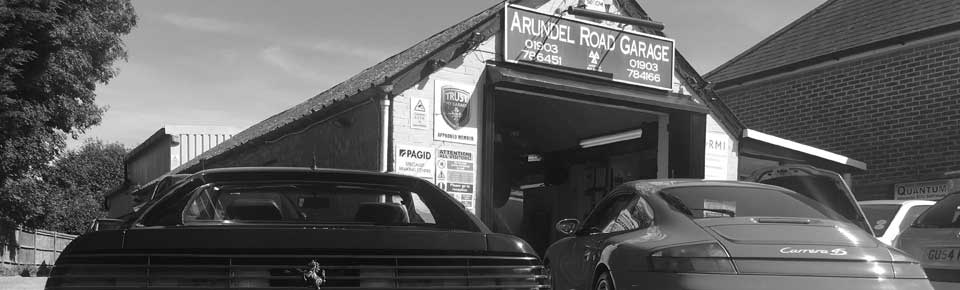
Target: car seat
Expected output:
[381,213]
[254,209]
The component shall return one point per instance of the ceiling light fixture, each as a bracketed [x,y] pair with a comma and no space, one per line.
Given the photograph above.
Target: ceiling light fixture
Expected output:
[612,138]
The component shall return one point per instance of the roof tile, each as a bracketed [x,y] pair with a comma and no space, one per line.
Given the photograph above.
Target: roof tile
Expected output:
[835,26]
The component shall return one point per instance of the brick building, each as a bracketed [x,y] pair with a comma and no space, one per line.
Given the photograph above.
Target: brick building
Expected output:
[878,81]
[526,112]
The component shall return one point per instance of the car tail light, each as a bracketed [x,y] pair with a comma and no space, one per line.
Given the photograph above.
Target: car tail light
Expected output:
[904,266]
[698,258]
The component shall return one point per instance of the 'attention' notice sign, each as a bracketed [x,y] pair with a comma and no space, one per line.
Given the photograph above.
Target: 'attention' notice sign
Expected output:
[626,56]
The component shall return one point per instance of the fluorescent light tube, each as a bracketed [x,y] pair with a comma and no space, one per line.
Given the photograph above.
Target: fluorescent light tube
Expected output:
[613,138]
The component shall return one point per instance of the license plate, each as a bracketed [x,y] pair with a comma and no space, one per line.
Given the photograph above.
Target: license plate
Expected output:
[943,254]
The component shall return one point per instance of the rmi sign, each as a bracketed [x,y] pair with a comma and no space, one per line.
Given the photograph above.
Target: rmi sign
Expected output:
[625,56]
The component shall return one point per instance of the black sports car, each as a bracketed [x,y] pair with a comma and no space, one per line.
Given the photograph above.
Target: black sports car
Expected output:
[695,234]
[291,228]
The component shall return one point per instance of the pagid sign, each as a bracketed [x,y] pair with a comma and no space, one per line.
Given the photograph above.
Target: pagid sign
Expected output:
[622,55]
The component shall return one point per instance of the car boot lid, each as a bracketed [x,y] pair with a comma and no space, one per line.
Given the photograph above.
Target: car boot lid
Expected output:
[824,186]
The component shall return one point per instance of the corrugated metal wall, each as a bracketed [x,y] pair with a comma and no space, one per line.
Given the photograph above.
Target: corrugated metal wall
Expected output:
[192,145]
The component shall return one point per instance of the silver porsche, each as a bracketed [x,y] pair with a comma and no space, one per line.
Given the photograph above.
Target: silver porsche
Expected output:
[696,234]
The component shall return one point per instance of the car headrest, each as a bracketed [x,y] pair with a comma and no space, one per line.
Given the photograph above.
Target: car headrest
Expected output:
[382,213]
[254,209]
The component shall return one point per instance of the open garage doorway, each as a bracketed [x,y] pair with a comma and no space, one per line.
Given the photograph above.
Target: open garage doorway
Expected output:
[555,157]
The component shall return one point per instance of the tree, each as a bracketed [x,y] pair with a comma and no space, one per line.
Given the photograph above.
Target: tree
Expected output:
[53,53]
[65,195]
[76,184]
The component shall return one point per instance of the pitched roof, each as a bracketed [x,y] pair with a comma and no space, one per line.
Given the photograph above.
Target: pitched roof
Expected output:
[392,67]
[373,76]
[836,26]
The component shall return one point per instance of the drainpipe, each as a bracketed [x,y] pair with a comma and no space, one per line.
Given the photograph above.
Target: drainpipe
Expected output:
[386,117]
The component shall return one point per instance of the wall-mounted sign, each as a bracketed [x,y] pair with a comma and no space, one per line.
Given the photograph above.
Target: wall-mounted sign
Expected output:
[452,120]
[927,190]
[456,174]
[720,153]
[414,161]
[420,110]
[624,56]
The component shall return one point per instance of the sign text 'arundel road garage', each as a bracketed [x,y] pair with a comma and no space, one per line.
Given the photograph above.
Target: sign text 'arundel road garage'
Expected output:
[630,57]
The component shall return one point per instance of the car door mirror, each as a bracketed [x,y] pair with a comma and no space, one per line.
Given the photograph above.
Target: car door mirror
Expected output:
[568,226]
[103,224]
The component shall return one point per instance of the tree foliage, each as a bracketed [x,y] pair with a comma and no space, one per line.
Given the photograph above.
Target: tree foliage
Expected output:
[78,181]
[65,195]
[53,53]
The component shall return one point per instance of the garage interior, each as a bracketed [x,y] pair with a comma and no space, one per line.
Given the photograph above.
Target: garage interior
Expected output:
[555,157]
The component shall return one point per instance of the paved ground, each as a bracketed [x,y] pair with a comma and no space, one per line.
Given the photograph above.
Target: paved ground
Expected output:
[22,283]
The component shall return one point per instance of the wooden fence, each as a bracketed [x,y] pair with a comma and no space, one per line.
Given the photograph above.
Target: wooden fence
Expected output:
[31,247]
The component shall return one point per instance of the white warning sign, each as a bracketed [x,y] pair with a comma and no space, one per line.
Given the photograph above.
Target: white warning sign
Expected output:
[420,113]
[414,161]
[456,174]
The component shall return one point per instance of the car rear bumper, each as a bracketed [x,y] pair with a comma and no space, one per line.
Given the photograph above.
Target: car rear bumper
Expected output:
[760,282]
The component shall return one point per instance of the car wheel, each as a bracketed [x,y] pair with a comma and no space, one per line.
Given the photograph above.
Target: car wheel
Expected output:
[604,282]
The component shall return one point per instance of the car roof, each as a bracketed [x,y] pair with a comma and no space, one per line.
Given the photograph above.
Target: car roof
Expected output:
[266,173]
[899,201]
[649,186]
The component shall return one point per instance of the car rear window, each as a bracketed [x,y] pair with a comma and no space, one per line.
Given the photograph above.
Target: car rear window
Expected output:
[943,214]
[317,204]
[912,215]
[880,216]
[724,201]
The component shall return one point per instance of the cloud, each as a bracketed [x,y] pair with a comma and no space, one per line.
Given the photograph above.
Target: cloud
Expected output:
[280,58]
[202,23]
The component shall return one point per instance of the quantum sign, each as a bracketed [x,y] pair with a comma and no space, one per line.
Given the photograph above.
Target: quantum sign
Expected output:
[926,190]
[626,56]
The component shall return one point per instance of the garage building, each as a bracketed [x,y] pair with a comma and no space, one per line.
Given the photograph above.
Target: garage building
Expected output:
[527,113]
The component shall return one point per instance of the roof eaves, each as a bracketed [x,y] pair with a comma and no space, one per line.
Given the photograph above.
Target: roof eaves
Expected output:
[709,75]
[143,146]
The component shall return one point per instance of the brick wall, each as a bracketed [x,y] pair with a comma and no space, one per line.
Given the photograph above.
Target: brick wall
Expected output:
[898,111]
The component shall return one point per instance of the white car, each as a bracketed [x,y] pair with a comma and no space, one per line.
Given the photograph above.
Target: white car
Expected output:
[934,240]
[889,218]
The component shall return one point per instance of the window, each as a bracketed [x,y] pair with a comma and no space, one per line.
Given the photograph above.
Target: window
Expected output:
[879,216]
[306,203]
[727,201]
[911,216]
[635,216]
[623,212]
[166,212]
[943,214]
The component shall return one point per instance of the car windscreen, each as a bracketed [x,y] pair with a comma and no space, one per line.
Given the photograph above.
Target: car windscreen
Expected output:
[321,204]
[943,214]
[880,216]
[729,201]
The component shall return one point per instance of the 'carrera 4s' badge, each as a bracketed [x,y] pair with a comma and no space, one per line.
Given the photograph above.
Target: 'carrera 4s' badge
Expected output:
[833,252]
[453,106]
[313,275]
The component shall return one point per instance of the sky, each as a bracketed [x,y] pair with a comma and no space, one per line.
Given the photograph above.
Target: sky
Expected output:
[237,62]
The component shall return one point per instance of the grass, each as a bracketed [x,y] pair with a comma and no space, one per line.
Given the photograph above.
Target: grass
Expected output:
[22,283]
